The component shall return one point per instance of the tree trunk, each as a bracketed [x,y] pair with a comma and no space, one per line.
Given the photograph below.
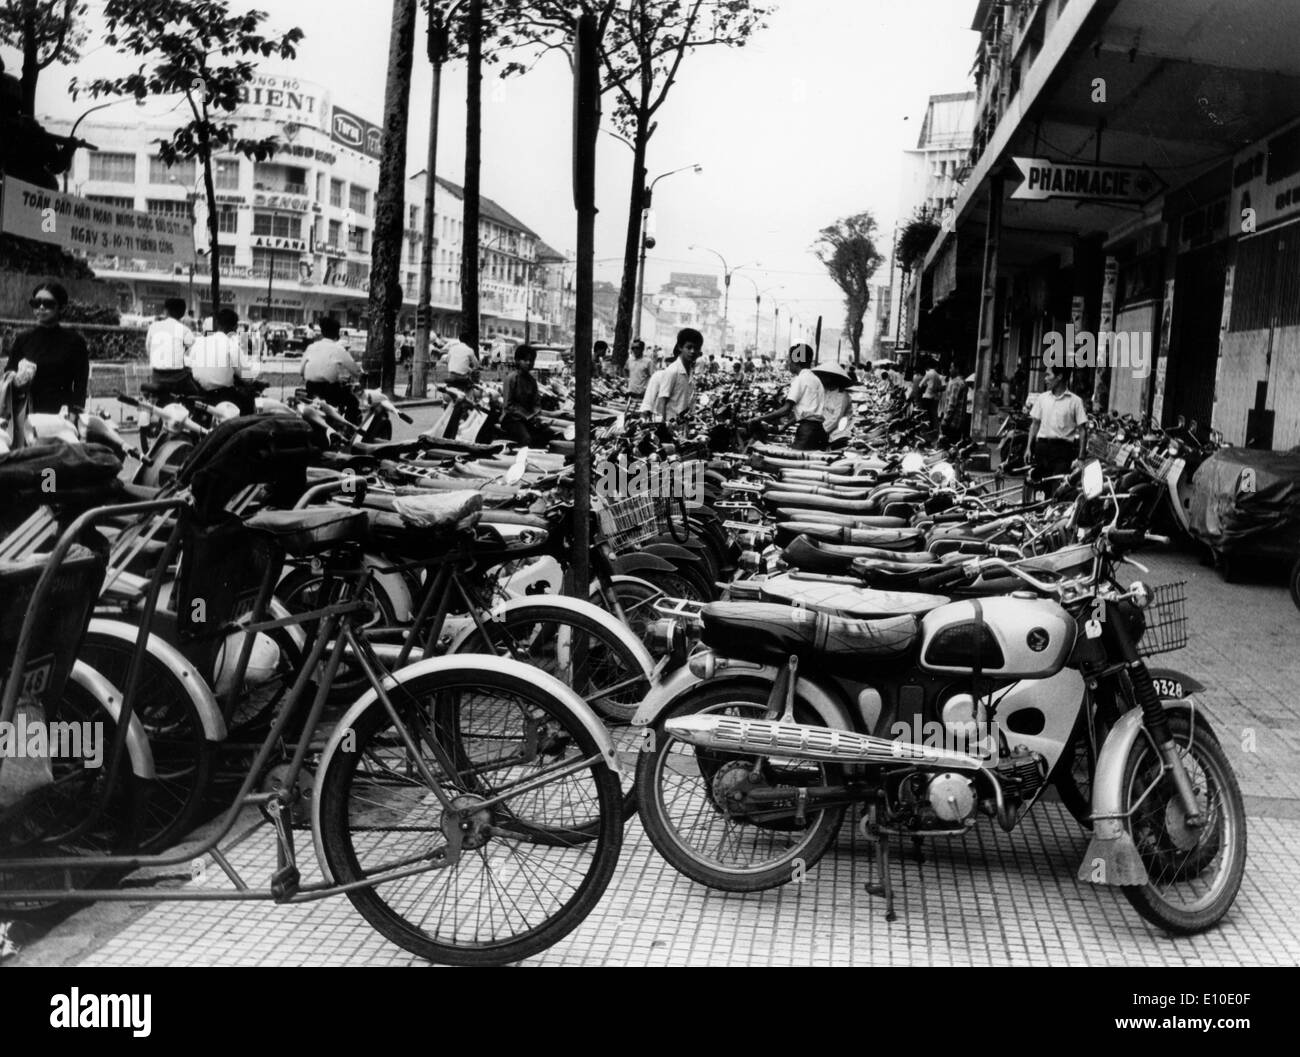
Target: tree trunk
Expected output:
[386,248]
[31,59]
[214,229]
[631,247]
[469,277]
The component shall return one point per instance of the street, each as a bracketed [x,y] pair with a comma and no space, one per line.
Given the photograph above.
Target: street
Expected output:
[988,899]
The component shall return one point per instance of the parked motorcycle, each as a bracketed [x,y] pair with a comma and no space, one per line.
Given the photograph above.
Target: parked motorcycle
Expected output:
[790,718]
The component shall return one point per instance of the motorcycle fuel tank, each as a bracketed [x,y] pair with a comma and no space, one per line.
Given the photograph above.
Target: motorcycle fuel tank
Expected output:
[1012,638]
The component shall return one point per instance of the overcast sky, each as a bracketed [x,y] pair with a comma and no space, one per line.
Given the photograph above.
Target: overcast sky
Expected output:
[803,125]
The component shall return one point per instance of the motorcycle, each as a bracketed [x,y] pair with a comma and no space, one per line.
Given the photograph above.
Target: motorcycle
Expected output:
[756,748]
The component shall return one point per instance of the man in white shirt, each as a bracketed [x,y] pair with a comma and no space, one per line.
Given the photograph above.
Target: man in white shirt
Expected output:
[676,395]
[803,402]
[1058,431]
[328,371]
[931,390]
[462,363]
[217,362]
[168,341]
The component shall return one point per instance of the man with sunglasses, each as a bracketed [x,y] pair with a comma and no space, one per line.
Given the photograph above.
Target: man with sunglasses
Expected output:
[51,362]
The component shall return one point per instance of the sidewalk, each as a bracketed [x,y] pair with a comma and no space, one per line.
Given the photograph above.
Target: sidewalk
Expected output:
[989,899]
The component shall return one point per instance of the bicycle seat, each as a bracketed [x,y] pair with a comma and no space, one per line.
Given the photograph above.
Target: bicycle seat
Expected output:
[314,530]
[440,512]
[769,632]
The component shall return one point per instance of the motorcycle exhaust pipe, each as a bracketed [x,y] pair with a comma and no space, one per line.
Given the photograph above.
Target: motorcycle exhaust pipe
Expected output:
[803,742]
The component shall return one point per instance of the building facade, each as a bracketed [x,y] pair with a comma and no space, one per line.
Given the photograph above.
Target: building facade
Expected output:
[1135,186]
[296,231]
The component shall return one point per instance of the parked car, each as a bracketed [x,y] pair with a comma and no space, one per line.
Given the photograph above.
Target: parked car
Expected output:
[353,340]
[550,357]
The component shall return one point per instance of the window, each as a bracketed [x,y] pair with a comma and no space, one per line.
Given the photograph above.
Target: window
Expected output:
[180,172]
[412,252]
[336,193]
[116,201]
[357,240]
[283,265]
[227,220]
[281,225]
[225,174]
[357,199]
[336,233]
[295,180]
[118,168]
[412,216]
[226,257]
[168,207]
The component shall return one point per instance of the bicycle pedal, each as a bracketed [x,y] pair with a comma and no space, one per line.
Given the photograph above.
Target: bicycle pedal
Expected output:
[285,883]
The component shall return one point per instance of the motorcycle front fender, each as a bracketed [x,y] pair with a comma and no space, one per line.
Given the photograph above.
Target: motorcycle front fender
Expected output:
[631,564]
[667,690]
[1173,685]
[1112,857]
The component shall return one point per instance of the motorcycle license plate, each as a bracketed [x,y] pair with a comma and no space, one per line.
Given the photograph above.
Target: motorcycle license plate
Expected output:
[1168,689]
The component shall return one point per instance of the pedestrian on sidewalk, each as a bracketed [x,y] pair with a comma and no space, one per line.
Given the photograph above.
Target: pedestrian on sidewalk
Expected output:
[1058,431]
[952,408]
[931,391]
[51,362]
[639,369]
[168,341]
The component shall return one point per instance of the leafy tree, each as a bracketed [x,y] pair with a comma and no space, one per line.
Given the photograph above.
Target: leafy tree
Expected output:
[643,45]
[45,32]
[915,239]
[848,250]
[201,50]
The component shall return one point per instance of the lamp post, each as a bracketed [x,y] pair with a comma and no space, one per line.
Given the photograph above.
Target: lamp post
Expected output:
[727,273]
[758,304]
[646,202]
[438,46]
[72,132]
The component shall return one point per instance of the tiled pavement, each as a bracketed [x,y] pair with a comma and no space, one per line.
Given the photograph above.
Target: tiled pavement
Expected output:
[990,899]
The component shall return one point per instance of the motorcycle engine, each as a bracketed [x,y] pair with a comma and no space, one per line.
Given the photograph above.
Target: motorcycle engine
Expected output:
[951,797]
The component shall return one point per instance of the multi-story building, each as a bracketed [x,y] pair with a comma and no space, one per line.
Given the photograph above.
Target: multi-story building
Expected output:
[1135,174]
[930,181]
[296,231]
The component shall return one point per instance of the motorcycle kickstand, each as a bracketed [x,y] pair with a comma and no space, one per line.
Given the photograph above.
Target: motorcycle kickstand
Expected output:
[883,887]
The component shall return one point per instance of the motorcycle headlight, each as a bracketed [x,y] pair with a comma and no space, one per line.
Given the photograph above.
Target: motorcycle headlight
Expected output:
[1140,593]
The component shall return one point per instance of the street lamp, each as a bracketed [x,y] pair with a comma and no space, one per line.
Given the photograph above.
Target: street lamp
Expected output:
[646,241]
[72,132]
[758,304]
[727,273]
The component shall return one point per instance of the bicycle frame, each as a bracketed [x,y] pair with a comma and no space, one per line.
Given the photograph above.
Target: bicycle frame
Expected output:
[337,633]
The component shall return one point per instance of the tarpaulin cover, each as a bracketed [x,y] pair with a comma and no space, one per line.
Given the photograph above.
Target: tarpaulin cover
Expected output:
[1244,499]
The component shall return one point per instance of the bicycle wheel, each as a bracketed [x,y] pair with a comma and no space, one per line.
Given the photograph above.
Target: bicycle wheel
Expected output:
[300,592]
[183,756]
[597,665]
[584,655]
[637,598]
[528,870]
[29,828]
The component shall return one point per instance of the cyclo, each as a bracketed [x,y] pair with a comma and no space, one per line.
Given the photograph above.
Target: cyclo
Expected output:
[468,806]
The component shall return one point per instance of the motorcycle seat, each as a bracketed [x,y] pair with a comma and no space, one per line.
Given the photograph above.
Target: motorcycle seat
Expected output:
[315,530]
[814,556]
[812,501]
[771,633]
[149,389]
[440,512]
